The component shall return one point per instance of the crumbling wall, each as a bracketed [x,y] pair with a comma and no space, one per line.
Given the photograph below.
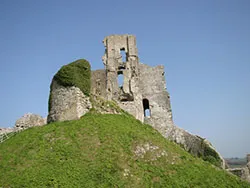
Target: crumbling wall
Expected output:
[153,89]
[67,103]
[128,95]
[6,130]
[69,92]
[29,120]
[244,172]
[98,83]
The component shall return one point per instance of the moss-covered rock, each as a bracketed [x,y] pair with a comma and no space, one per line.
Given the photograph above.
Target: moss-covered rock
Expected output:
[76,74]
[69,92]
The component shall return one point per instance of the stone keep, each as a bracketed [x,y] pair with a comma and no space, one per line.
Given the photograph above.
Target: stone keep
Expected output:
[143,88]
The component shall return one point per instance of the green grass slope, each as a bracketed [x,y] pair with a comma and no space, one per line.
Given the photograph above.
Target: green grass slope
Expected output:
[103,151]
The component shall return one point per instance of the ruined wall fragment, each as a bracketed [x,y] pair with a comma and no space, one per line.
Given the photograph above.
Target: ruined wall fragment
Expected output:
[128,95]
[29,120]
[69,92]
[67,103]
[153,88]
[244,172]
[98,83]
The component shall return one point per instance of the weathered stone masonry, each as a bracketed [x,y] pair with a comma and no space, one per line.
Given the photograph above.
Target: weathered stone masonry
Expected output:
[67,103]
[140,83]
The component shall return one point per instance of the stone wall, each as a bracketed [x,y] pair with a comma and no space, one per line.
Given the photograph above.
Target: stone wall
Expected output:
[29,120]
[128,96]
[153,89]
[67,103]
[244,172]
[98,83]
[6,130]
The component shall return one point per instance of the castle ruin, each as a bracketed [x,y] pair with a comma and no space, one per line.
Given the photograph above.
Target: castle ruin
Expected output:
[142,93]
[143,90]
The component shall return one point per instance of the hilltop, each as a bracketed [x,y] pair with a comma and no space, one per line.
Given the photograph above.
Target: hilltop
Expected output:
[103,150]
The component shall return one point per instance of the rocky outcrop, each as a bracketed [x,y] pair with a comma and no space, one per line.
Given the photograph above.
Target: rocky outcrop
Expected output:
[67,103]
[29,120]
[195,145]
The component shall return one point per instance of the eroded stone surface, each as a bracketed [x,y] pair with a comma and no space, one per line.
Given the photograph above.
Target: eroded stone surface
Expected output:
[29,120]
[194,144]
[67,103]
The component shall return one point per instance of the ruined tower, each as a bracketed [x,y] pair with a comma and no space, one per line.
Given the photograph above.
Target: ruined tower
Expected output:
[125,91]
[142,89]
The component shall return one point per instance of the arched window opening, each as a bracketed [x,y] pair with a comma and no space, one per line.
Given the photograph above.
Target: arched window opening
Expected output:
[123,54]
[120,79]
[146,108]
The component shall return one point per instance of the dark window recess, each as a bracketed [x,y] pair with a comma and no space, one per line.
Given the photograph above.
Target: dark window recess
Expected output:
[146,108]
[121,67]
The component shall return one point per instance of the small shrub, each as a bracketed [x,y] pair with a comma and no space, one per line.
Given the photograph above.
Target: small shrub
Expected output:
[210,155]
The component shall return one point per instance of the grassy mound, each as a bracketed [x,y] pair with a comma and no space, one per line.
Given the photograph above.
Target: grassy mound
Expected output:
[103,151]
[76,74]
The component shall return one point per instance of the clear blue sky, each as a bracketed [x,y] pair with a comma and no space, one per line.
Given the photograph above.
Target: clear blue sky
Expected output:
[204,46]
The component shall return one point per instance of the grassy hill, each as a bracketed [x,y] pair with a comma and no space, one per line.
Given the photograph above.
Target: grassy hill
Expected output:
[103,151]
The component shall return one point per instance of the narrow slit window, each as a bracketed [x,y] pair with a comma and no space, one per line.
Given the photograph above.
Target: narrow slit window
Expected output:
[124,55]
[120,79]
[146,108]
